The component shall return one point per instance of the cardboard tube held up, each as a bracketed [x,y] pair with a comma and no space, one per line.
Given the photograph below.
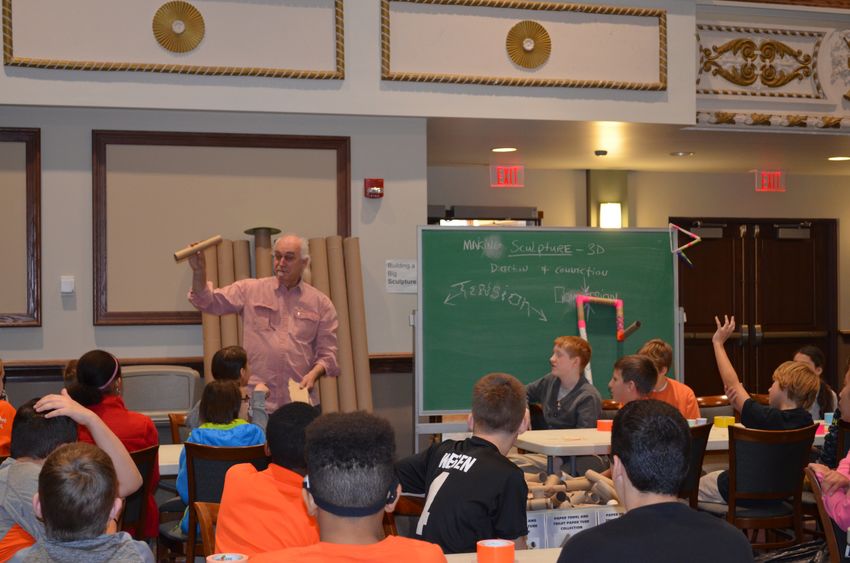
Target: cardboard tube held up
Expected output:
[184,253]
[319,265]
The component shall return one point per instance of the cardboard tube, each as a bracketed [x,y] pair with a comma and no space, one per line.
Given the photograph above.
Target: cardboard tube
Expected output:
[184,253]
[263,249]
[538,504]
[357,316]
[551,480]
[339,296]
[531,478]
[578,484]
[241,271]
[226,276]
[319,266]
[211,323]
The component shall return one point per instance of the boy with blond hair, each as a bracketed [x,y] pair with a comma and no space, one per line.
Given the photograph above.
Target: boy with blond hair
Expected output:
[666,388]
[794,388]
[567,398]
[474,491]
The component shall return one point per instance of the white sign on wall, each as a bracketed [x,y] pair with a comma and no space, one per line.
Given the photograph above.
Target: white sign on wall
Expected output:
[401,276]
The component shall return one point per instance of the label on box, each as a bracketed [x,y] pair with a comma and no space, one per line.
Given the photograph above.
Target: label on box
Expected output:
[606,513]
[563,524]
[536,529]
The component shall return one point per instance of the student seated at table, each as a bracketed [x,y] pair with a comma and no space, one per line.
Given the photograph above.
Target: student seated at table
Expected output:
[40,426]
[567,398]
[231,364]
[79,502]
[98,386]
[220,426]
[650,446]
[474,491]
[7,414]
[826,399]
[349,485]
[827,453]
[668,389]
[792,393]
[263,510]
[634,378]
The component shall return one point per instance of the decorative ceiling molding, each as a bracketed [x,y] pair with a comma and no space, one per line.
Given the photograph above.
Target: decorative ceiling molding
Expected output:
[757,120]
[758,62]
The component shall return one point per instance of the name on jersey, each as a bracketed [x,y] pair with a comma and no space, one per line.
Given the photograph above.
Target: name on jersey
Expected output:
[457,461]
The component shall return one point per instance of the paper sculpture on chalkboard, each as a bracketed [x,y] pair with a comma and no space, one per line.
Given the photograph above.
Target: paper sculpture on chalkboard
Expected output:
[680,251]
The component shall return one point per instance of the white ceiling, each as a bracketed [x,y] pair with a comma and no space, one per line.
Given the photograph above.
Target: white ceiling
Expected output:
[634,146]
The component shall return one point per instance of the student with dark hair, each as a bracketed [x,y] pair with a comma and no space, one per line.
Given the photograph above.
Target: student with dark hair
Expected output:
[231,364]
[634,378]
[349,485]
[41,426]
[98,386]
[78,501]
[666,388]
[474,491]
[567,398]
[7,414]
[220,426]
[826,399]
[264,510]
[650,446]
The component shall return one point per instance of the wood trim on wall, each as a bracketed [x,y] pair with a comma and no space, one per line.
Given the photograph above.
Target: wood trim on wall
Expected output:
[101,139]
[32,141]
[804,3]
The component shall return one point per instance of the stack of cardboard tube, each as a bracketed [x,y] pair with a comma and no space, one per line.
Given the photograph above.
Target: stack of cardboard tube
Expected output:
[554,491]
[335,270]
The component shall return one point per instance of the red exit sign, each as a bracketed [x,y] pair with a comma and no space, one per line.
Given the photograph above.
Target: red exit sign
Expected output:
[507,176]
[770,181]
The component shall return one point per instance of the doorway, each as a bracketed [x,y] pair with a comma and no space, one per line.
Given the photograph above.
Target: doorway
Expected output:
[779,277]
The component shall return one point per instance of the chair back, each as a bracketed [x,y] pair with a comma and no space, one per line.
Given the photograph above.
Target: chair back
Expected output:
[206,467]
[177,422]
[610,408]
[714,405]
[768,464]
[825,521]
[842,445]
[407,505]
[699,441]
[157,390]
[760,398]
[136,505]
[207,518]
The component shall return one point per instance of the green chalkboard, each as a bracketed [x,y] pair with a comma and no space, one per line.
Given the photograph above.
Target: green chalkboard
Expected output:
[494,299]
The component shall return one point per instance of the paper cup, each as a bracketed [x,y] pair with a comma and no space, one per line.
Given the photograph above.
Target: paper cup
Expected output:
[701,421]
[692,422]
[215,557]
[827,417]
[495,551]
[604,424]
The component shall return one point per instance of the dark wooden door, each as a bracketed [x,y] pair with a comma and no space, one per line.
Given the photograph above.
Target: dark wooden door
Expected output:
[777,276]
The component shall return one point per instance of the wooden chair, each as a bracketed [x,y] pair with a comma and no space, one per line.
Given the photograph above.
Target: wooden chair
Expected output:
[690,486]
[766,465]
[714,405]
[177,421]
[136,505]
[206,467]
[761,398]
[406,506]
[610,408]
[207,518]
[835,554]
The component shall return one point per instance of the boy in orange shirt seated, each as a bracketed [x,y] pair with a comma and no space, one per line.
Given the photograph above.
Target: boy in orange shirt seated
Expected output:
[350,484]
[264,510]
[7,414]
[668,389]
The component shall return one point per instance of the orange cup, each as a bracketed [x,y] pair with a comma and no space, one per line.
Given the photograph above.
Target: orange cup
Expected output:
[604,424]
[495,551]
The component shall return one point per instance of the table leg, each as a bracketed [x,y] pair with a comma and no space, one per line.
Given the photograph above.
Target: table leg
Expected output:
[550,464]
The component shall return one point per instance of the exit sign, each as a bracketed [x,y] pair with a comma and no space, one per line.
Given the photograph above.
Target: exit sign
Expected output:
[770,181]
[507,176]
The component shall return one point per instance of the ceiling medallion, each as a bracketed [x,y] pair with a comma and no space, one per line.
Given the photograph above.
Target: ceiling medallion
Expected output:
[528,44]
[178,26]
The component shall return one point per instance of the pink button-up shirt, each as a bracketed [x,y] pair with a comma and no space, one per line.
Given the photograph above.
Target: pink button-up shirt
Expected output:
[286,332]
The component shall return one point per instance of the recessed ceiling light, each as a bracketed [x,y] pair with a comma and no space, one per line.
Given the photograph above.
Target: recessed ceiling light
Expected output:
[504,149]
[838,158]
[682,153]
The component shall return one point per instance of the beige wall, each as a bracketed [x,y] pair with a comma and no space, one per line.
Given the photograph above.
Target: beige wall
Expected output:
[390,148]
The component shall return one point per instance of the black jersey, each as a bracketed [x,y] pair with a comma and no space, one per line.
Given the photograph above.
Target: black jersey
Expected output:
[473,493]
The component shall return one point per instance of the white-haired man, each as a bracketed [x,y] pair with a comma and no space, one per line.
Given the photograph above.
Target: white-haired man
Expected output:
[289,327]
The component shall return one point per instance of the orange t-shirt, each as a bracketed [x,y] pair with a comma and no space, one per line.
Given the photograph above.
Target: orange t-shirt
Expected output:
[680,396]
[263,511]
[392,548]
[7,415]
[15,540]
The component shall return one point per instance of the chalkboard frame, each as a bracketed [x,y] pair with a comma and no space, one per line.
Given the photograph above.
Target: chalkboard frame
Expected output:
[419,355]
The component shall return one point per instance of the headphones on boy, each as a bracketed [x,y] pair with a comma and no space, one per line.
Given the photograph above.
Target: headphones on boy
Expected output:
[353,511]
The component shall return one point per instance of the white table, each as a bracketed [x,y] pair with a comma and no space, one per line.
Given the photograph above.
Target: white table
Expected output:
[169,457]
[590,441]
[520,556]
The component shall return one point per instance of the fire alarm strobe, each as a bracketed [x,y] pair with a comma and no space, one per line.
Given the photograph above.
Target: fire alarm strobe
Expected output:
[373,187]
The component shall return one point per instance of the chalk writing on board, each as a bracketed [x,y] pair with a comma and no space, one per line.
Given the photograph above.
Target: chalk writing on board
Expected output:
[568,296]
[493,248]
[583,271]
[494,292]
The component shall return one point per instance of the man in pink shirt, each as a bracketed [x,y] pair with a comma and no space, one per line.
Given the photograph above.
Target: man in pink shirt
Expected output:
[289,326]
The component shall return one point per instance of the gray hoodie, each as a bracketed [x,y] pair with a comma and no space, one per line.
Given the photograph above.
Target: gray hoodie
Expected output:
[108,548]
